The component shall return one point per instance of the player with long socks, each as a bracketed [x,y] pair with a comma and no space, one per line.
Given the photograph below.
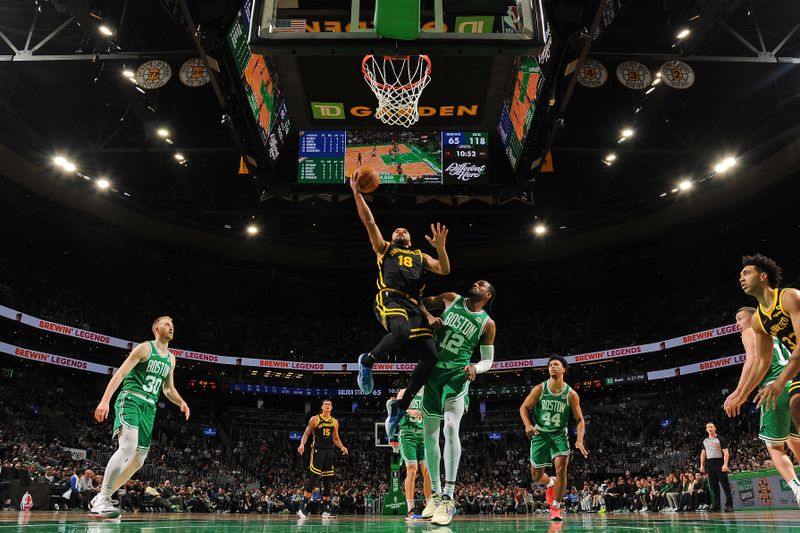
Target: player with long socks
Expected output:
[463,325]
[148,370]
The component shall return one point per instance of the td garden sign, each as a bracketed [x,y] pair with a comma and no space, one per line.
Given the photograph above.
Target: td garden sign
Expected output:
[337,111]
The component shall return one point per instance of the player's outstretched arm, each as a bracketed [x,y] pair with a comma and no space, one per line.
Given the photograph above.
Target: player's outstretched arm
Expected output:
[577,414]
[438,240]
[436,302]
[365,214]
[790,301]
[172,394]
[525,408]
[140,353]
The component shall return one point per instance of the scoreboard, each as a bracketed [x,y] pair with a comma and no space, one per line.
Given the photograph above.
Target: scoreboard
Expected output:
[442,157]
[321,157]
[465,157]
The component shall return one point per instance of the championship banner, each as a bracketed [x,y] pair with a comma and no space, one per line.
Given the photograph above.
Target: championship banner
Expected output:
[42,357]
[100,338]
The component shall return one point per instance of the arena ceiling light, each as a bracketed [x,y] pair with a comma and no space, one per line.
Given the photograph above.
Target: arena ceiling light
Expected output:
[163,132]
[540,229]
[685,185]
[103,184]
[105,30]
[252,229]
[725,165]
[651,89]
[129,74]
[62,162]
[627,132]
[684,33]
[610,158]
[179,157]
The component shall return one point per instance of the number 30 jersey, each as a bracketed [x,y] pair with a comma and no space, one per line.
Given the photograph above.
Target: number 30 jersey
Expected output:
[461,333]
[146,378]
[551,412]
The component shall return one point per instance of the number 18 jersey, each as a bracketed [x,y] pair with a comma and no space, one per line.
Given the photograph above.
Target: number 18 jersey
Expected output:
[551,412]
[146,378]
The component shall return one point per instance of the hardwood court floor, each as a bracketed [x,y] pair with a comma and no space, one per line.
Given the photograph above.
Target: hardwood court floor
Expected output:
[73,522]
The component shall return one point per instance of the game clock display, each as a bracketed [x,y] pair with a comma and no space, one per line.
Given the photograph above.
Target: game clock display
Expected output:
[450,158]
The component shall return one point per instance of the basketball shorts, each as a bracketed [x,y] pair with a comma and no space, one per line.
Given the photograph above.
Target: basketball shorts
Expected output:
[412,446]
[776,424]
[546,446]
[389,304]
[320,461]
[134,412]
[444,385]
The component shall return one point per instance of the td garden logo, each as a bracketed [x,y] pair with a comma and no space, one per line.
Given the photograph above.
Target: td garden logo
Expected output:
[337,111]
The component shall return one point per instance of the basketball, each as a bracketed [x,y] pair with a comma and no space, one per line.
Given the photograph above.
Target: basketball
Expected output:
[367,179]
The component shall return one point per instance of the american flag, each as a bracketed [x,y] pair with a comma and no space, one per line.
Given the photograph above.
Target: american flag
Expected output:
[289,25]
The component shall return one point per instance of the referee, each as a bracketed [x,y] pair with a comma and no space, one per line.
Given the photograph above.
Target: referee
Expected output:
[715,454]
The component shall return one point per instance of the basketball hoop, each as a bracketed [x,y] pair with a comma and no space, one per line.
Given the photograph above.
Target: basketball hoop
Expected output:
[397,82]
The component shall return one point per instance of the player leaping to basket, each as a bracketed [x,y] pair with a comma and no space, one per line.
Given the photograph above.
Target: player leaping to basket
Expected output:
[401,270]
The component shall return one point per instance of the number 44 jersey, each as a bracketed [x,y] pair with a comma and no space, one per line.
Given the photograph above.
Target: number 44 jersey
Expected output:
[147,377]
[551,412]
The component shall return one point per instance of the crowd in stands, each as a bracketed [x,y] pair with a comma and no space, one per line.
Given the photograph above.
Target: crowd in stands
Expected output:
[263,472]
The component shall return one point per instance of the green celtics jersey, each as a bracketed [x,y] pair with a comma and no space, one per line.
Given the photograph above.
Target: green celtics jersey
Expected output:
[461,333]
[412,423]
[780,358]
[551,412]
[146,378]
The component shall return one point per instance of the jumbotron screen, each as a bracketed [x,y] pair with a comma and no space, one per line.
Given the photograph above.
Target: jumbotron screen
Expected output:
[436,157]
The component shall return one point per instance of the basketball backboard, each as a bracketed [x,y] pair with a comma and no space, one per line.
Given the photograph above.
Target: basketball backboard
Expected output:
[446,27]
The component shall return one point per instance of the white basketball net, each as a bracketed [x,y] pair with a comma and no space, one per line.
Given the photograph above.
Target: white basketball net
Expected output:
[397,82]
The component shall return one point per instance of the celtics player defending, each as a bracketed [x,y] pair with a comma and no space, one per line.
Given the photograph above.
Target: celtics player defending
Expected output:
[552,402]
[463,325]
[412,451]
[325,431]
[401,271]
[777,428]
[146,372]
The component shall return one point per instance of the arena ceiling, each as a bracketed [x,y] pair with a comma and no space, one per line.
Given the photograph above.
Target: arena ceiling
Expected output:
[63,93]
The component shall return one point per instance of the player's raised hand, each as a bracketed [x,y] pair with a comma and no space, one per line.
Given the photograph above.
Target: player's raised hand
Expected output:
[354,185]
[438,236]
[101,412]
[579,445]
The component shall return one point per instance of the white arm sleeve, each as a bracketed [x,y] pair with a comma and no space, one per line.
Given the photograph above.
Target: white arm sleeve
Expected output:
[487,359]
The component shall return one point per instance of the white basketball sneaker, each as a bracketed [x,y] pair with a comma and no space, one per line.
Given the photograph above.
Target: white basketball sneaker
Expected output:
[103,507]
[430,508]
[444,513]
